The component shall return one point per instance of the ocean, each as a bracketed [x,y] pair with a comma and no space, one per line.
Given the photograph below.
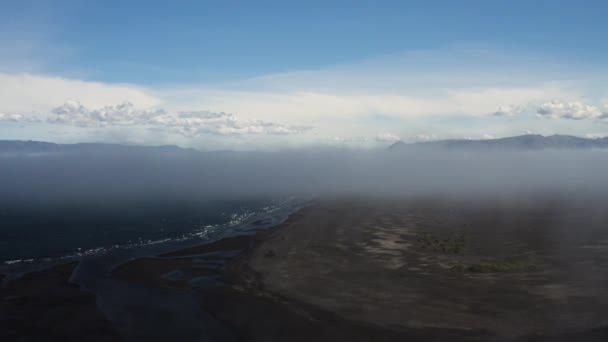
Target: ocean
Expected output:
[34,234]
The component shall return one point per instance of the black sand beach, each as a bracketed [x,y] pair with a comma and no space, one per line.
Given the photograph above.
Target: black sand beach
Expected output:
[44,306]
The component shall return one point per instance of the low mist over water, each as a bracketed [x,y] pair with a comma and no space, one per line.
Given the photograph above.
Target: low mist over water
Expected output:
[69,201]
[113,177]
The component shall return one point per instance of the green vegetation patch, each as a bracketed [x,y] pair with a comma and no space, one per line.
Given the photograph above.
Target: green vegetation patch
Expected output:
[455,244]
[504,266]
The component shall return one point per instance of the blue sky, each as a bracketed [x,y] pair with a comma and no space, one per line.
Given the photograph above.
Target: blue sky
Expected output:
[285,73]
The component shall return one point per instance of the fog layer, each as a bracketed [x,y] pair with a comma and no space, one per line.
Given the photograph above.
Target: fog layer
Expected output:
[116,177]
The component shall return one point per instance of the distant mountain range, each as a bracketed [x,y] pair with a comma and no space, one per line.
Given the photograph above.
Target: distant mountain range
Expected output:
[523,142]
[41,147]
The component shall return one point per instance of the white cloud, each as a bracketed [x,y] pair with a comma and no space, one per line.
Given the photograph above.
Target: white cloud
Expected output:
[188,124]
[387,137]
[508,110]
[426,137]
[26,93]
[596,135]
[575,110]
[312,106]
[353,141]
[204,122]
[604,115]
[76,114]
[10,117]
[407,86]
[453,135]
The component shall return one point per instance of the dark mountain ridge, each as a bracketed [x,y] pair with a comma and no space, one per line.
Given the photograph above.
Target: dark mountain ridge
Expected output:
[41,147]
[522,142]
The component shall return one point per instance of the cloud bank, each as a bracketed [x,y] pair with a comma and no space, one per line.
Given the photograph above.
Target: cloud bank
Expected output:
[114,176]
[388,137]
[188,124]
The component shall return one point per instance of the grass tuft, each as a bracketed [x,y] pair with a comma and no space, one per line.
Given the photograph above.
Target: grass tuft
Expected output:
[492,267]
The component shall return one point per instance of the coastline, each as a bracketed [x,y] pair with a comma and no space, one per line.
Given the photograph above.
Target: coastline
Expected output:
[27,291]
[256,314]
[273,284]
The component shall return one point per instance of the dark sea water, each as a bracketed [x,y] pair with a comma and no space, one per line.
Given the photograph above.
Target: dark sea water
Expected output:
[33,238]
[32,234]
